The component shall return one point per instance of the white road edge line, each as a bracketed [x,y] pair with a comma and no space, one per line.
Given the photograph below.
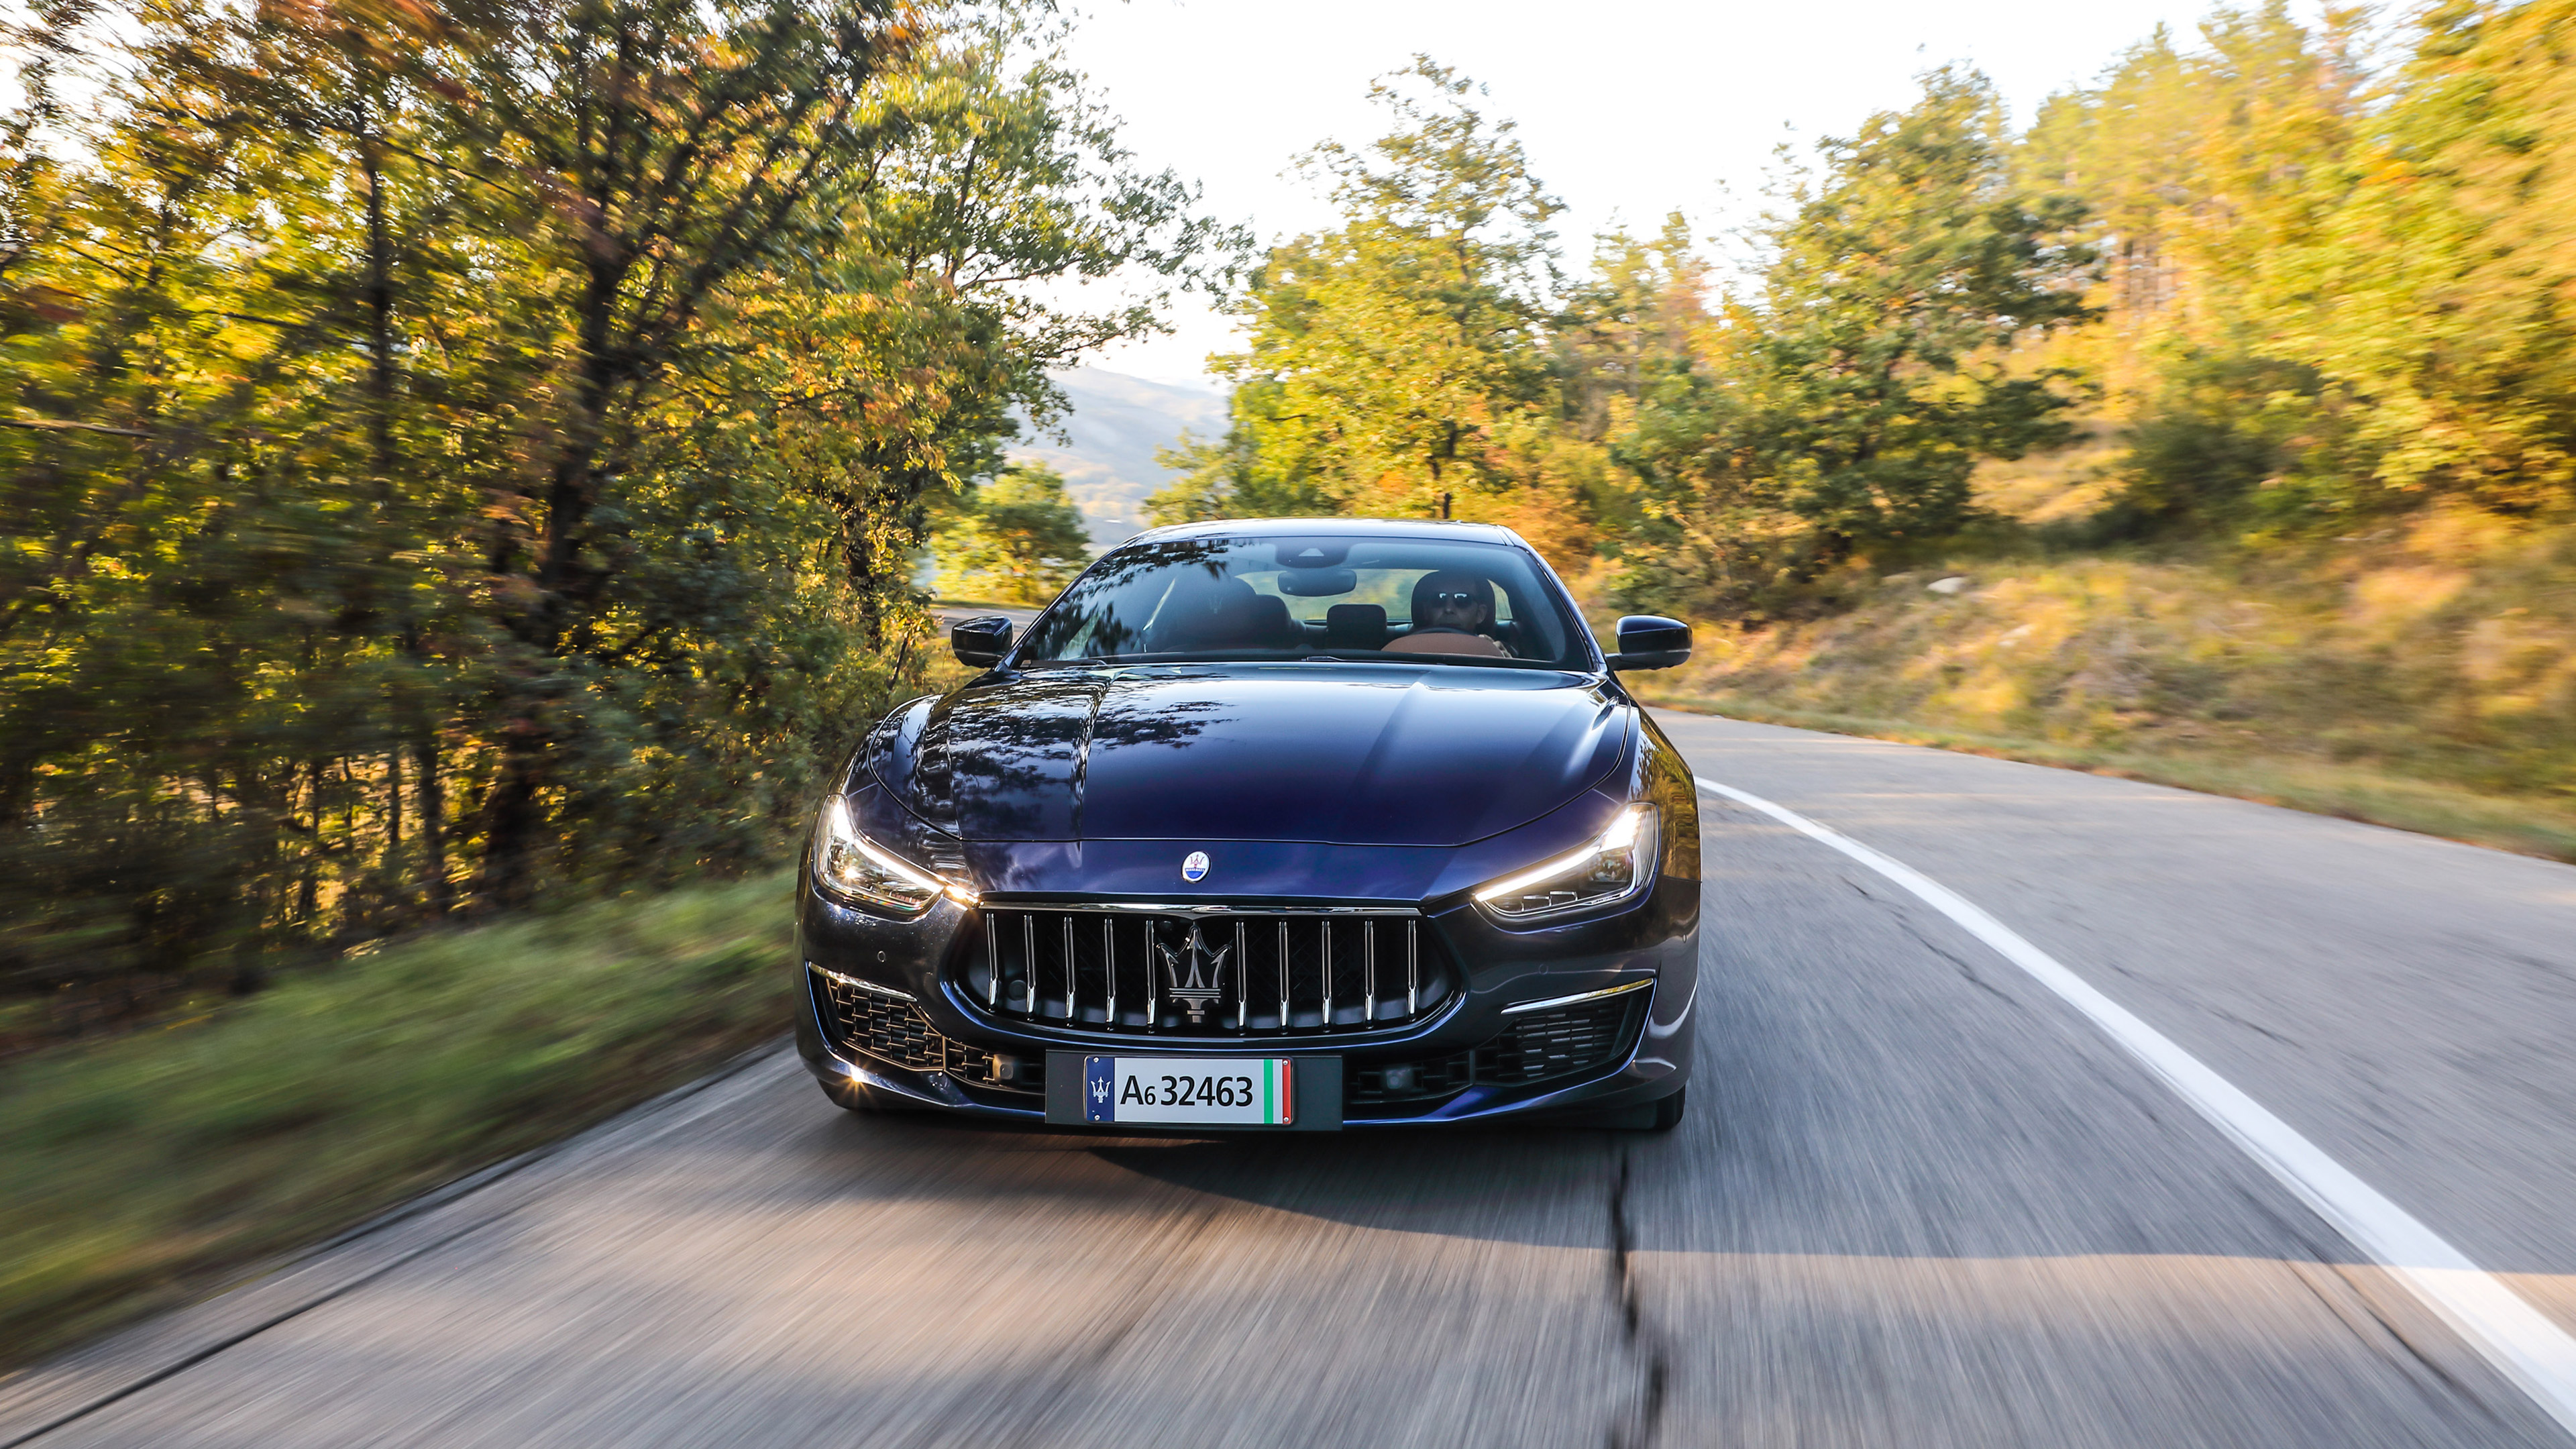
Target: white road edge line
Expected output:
[2538,1355]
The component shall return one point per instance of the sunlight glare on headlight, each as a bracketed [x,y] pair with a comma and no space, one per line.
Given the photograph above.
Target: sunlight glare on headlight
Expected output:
[1606,870]
[853,865]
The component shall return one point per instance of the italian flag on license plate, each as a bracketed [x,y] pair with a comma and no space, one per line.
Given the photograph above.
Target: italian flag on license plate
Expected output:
[1203,1091]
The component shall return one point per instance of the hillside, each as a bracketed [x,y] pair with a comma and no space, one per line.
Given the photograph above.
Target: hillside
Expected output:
[1107,453]
[2420,675]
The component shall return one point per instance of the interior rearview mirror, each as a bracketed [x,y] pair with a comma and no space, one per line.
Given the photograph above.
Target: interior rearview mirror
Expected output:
[981,641]
[1302,583]
[1648,642]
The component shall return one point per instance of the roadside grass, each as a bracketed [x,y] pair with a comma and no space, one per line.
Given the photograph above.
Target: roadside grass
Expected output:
[2518,824]
[2422,677]
[156,1167]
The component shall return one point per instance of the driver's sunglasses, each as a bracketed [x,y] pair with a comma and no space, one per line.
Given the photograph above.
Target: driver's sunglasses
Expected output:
[1452,601]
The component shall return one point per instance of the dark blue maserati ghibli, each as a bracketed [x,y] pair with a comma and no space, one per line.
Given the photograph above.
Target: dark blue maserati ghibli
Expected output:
[1286,825]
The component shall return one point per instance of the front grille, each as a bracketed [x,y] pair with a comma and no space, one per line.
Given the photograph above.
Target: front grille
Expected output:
[890,1028]
[1210,973]
[1539,1047]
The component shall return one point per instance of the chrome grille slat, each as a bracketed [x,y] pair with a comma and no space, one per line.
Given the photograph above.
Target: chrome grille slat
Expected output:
[1324,937]
[1412,967]
[1209,973]
[1368,981]
[1029,960]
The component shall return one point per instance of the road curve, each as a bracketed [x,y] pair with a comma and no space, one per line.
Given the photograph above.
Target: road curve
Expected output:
[1919,1199]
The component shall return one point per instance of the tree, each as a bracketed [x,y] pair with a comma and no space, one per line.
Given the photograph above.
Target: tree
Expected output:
[1401,356]
[2438,295]
[1015,540]
[457,449]
[1227,477]
[2213,178]
[1898,281]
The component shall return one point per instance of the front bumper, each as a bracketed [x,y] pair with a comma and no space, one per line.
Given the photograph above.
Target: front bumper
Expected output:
[930,1044]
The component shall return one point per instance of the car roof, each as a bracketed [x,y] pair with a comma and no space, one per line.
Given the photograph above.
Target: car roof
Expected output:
[1419,528]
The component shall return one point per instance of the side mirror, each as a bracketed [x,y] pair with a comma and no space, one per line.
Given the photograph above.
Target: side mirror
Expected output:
[981,642]
[1646,642]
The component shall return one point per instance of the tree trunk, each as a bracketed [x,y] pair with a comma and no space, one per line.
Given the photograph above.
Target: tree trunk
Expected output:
[509,828]
[380,313]
[393,813]
[433,823]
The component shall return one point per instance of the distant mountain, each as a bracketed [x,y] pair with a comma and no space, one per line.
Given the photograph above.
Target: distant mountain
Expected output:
[1117,423]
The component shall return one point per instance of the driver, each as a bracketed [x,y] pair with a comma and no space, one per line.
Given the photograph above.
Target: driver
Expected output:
[1453,613]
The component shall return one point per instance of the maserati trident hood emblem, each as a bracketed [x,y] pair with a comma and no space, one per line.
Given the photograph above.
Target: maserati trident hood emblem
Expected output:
[1194,866]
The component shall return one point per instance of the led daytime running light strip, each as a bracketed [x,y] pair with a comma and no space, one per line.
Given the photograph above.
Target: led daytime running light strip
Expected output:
[1621,834]
[894,864]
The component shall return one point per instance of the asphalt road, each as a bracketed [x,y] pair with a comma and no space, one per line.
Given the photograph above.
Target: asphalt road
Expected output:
[1918,1200]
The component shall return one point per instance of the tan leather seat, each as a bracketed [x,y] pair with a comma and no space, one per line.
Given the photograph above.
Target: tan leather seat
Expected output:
[1444,641]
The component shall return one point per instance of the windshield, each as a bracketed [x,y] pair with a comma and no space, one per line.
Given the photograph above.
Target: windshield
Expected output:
[1428,601]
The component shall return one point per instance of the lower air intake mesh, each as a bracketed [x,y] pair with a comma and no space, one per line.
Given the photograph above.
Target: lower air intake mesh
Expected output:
[1540,1047]
[892,1030]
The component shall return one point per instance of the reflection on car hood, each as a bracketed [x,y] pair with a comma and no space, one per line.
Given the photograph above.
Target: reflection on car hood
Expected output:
[1351,754]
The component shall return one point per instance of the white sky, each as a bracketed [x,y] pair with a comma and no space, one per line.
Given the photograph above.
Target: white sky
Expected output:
[1628,108]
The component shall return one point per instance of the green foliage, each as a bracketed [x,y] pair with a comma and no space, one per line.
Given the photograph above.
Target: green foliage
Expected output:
[455,450]
[1225,478]
[1428,357]
[2224,441]
[2439,291]
[1402,355]
[1015,540]
[1878,369]
[2326,297]
[1844,408]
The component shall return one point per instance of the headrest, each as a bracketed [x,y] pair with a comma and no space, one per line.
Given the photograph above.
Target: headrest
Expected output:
[1355,626]
[1451,581]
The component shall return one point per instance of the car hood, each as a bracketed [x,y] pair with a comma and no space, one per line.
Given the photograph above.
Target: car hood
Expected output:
[1348,754]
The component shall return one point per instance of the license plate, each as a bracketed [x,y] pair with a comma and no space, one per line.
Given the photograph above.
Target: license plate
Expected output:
[1202,1091]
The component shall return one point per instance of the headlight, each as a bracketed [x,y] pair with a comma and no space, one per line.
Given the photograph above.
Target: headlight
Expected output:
[1618,864]
[849,864]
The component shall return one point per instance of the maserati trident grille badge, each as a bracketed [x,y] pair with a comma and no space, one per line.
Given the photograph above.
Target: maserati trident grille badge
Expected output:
[1197,989]
[1194,866]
